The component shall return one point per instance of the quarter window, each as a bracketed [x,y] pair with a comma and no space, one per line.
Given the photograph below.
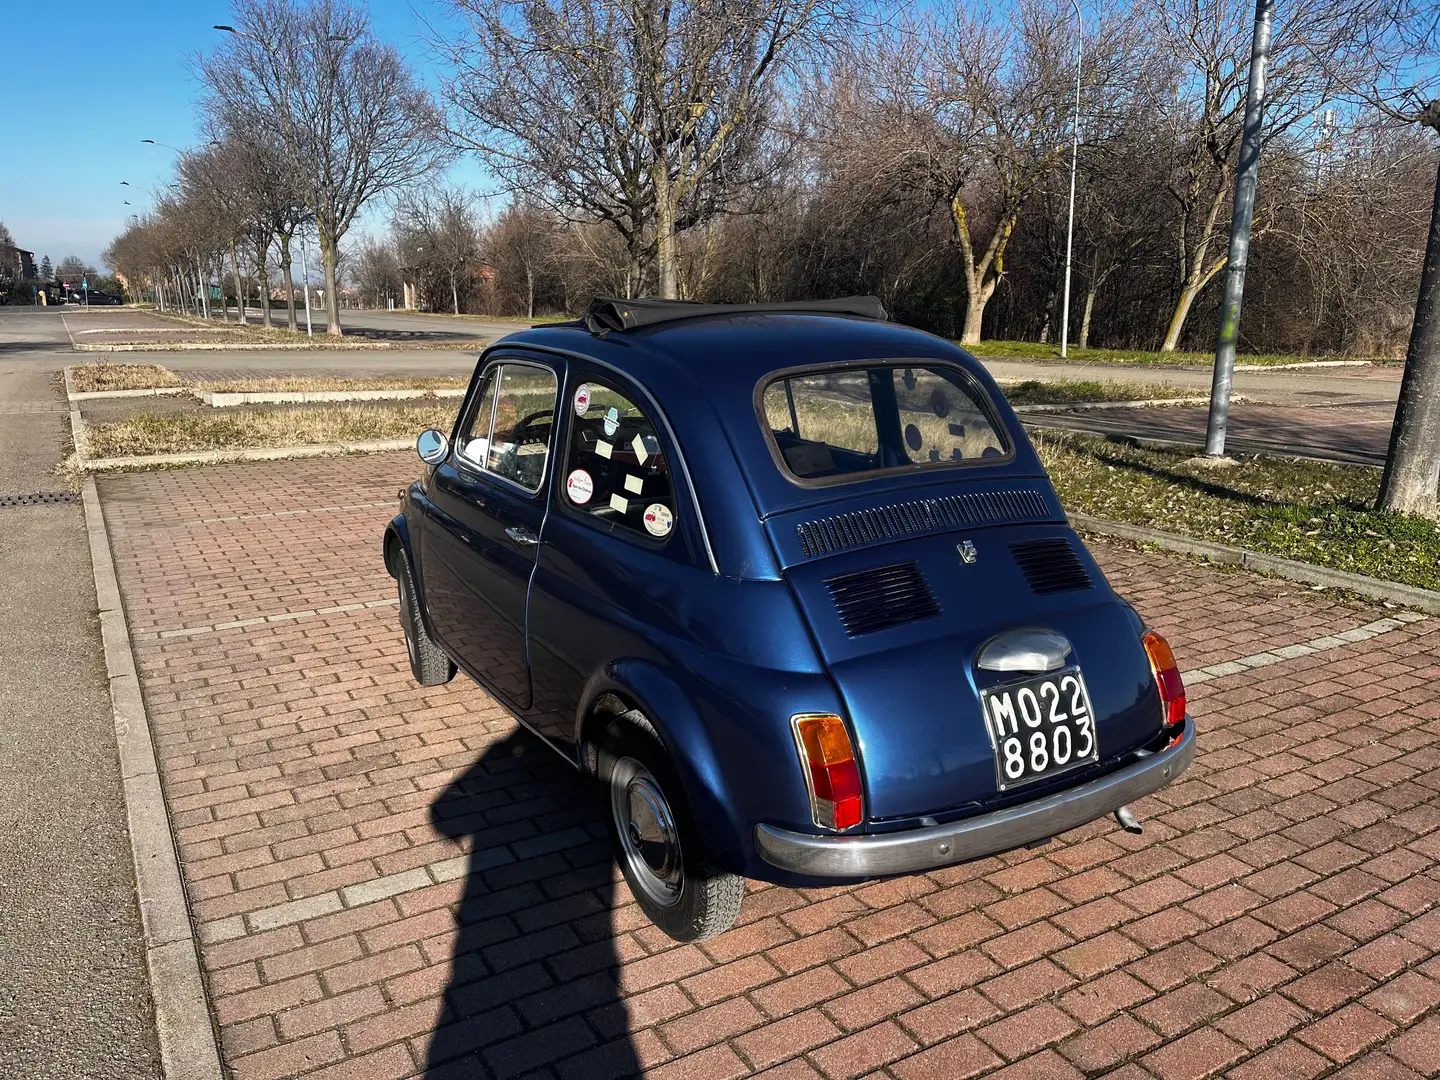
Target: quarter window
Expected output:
[616,471]
[508,434]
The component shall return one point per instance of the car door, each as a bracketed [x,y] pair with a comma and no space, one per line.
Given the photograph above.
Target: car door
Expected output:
[486,511]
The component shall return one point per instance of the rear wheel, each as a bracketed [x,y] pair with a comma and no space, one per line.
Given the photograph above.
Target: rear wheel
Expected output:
[656,844]
[428,662]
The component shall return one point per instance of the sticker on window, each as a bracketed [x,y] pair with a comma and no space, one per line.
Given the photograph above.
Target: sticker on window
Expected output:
[612,421]
[603,448]
[634,484]
[639,446]
[658,520]
[619,504]
[579,487]
[582,399]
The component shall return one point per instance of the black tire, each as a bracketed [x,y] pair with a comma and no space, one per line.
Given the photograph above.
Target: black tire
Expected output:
[428,662]
[682,893]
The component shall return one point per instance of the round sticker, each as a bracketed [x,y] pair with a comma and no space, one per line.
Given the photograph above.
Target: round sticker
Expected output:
[582,399]
[579,487]
[658,520]
[612,422]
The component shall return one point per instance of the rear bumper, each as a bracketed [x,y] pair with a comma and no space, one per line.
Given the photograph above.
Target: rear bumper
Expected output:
[960,841]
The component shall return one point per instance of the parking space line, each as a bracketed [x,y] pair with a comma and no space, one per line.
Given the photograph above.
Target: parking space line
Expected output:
[261,620]
[287,513]
[1306,648]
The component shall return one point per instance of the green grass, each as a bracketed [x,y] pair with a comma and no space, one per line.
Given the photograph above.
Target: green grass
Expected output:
[1036,392]
[1311,511]
[242,428]
[1029,350]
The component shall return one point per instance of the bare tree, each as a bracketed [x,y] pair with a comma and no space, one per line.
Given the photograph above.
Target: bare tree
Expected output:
[626,111]
[353,122]
[521,244]
[441,222]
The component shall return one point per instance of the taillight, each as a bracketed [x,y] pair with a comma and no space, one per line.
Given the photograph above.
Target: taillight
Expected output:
[831,772]
[1167,678]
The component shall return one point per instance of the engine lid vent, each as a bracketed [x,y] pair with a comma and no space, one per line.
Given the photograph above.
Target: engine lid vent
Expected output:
[826,536]
[882,597]
[1050,566]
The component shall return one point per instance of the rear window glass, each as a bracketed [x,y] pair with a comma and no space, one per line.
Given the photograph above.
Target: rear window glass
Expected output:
[856,420]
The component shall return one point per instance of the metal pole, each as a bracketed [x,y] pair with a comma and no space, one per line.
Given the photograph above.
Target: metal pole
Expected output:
[1240,218]
[1074,157]
[305,269]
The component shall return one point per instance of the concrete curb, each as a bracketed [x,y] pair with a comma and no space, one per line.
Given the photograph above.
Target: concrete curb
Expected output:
[189,1049]
[237,346]
[1145,443]
[1081,406]
[216,457]
[1405,595]
[1305,364]
[228,399]
[101,395]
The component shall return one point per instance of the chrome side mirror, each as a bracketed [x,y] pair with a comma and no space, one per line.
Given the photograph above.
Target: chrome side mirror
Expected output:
[432,446]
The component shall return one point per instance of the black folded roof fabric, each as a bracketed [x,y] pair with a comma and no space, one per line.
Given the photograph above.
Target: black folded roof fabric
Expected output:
[608,313]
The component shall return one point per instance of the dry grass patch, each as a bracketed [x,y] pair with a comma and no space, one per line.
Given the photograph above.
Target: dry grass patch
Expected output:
[321,384]
[86,378]
[1035,392]
[243,429]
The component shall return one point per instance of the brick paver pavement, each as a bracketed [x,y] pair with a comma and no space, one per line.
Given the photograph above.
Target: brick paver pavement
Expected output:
[393,881]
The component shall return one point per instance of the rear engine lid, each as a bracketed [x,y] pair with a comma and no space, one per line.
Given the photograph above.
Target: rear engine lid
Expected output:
[899,625]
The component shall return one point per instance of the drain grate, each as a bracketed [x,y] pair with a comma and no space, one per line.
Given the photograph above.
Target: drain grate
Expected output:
[39,498]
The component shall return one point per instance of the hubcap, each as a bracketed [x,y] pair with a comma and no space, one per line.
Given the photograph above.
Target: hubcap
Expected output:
[647,831]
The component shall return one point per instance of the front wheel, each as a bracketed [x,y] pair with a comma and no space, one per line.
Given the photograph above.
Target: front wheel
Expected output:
[428,662]
[656,844]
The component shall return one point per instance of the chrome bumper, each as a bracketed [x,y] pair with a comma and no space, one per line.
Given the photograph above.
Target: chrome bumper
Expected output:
[972,838]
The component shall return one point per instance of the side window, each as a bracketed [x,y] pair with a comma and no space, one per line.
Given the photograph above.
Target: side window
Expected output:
[524,417]
[472,441]
[616,470]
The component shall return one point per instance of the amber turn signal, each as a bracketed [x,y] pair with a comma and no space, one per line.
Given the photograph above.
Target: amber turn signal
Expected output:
[832,775]
[1167,678]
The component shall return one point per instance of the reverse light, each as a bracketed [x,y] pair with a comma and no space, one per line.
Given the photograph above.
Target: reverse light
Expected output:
[832,774]
[1167,678]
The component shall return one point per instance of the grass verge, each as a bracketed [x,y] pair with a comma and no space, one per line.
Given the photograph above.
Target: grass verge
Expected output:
[1035,392]
[242,428]
[1030,350]
[292,386]
[1306,510]
[86,378]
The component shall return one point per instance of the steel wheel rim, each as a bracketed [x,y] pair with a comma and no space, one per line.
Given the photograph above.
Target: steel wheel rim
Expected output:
[649,838]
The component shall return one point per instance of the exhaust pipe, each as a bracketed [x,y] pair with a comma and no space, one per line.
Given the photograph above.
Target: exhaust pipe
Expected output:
[1128,821]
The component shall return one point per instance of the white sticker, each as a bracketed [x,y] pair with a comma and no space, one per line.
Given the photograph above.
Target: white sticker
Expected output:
[658,520]
[603,448]
[579,487]
[633,484]
[582,399]
[618,504]
[612,421]
[639,445]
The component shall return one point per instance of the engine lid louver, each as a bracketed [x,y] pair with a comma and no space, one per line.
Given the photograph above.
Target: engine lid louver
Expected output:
[826,536]
[1050,566]
[882,597]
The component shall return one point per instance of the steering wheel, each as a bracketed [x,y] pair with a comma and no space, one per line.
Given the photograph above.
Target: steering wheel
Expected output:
[518,432]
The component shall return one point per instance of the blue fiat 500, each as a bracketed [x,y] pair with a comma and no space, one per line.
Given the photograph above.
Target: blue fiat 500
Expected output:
[790,583]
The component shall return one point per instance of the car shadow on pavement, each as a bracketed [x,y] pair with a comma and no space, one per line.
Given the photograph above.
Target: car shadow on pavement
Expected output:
[533,974]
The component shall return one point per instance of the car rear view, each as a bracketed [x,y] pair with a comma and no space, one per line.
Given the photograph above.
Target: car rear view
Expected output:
[996,690]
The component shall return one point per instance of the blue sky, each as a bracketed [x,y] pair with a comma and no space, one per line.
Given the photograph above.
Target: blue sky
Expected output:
[88,82]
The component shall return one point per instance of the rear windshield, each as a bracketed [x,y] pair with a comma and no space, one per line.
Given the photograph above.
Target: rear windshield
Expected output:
[836,422]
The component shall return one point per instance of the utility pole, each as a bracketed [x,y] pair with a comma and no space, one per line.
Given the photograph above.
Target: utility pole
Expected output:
[305,268]
[1242,215]
[1074,157]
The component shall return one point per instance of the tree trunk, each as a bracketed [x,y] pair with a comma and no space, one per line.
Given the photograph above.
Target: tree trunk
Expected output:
[262,272]
[288,270]
[1084,341]
[454,293]
[332,296]
[1197,274]
[239,289]
[975,302]
[665,236]
[1182,311]
[1408,485]
[529,292]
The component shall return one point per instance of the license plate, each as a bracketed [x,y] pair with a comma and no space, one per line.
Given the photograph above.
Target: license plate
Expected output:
[1040,727]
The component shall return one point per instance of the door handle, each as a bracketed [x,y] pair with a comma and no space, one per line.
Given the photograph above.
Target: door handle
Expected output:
[522,536]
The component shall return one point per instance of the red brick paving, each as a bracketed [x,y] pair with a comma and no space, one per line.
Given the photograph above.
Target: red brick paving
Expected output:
[1277,918]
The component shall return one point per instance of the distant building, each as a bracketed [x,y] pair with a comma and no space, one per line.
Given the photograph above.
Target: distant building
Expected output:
[17,263]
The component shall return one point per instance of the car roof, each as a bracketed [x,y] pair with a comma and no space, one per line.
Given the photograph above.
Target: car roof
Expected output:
[704,373]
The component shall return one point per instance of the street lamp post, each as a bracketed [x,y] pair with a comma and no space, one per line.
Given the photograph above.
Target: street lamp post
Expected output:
[1074,158]
[305,270]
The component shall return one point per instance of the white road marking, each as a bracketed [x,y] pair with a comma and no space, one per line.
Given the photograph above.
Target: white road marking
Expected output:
[1305,648]
[261,620]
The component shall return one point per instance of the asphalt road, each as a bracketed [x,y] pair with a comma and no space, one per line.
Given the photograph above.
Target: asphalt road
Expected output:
[74,996]
[398,325]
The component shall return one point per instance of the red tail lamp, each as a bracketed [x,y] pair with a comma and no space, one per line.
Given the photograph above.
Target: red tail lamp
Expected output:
[1167,678]
[832,774]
